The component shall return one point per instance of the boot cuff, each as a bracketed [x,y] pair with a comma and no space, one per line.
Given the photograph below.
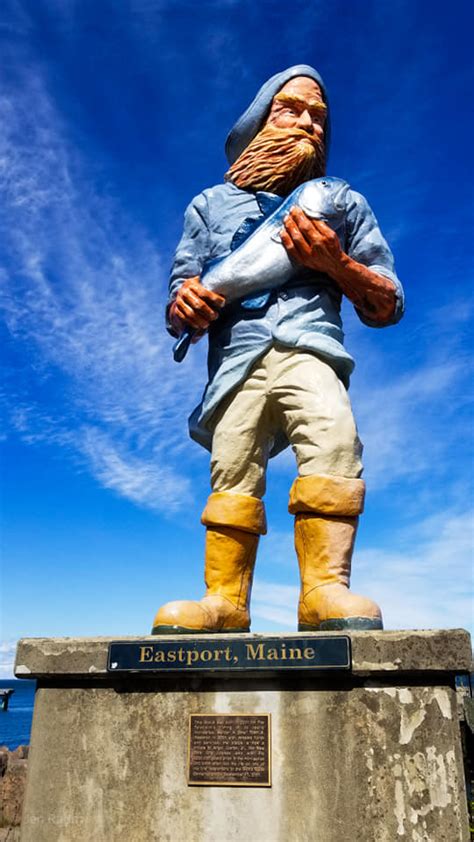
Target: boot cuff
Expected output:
[327,495]
[224,508]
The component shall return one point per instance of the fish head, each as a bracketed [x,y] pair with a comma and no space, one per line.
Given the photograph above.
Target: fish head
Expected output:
[323,198]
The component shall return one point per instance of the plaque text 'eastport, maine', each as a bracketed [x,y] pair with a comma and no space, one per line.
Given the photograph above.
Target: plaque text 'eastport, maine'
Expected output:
[291,653]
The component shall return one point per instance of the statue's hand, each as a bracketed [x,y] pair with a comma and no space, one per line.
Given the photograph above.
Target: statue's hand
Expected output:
[195,307]
[312,243]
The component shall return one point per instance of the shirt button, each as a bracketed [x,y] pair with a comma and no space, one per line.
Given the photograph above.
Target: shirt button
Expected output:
[284,296]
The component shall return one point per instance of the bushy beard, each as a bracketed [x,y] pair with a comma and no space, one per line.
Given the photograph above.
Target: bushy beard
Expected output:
[277,160]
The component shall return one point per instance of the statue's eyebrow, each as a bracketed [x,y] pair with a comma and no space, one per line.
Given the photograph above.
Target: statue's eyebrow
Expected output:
[313,105]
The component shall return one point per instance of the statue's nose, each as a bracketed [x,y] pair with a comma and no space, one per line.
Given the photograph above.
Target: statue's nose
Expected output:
[305,121]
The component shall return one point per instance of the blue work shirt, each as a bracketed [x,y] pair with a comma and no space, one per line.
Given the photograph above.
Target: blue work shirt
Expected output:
[305,313]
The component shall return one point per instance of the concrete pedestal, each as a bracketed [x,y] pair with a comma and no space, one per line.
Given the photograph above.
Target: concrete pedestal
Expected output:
[372,754]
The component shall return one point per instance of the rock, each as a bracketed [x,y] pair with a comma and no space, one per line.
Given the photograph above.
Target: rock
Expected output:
[4,753]
[13,768]
[20,753]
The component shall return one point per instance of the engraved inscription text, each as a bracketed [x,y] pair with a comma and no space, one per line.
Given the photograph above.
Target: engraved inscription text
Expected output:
[229,749]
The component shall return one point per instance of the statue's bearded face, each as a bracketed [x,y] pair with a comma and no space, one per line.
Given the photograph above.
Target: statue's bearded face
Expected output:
[290,148]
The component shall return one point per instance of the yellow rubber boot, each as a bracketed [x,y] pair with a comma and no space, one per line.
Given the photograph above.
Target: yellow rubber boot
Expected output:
[234,523]
[326,510]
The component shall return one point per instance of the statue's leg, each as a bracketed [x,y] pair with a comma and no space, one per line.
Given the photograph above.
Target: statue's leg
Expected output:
[327,497]
[326,515]
[234,516]
[234,523]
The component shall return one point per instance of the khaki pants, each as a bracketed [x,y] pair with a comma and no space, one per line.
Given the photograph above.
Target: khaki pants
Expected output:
[298,393]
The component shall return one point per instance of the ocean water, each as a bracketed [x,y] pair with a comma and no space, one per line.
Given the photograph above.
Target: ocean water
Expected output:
[15,724]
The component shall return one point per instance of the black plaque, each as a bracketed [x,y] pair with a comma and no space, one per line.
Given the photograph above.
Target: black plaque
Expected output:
[229,750]
[249,654]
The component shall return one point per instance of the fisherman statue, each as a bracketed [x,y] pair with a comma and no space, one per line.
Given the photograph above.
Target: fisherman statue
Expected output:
[262,266]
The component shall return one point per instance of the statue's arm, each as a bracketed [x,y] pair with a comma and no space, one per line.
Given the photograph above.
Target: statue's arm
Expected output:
[364,271]
[366,246]
[189,303]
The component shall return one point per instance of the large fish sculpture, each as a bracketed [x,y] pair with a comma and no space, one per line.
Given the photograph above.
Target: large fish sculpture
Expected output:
[261,262]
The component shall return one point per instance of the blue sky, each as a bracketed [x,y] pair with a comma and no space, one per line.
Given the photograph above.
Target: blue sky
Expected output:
[113,115]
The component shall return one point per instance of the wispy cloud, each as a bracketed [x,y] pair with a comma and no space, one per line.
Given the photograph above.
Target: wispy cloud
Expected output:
[83,297]
[277,548]
[7,658]
[398,418]
[414,411]
[427,579]
[274,603]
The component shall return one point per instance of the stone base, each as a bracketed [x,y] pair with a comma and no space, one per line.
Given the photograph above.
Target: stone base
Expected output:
[373,754]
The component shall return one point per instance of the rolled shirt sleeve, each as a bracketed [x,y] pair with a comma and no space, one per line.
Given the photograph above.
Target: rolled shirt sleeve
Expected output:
[192,251]
[366,244]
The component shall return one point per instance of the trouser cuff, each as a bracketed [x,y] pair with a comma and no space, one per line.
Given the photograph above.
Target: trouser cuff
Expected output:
[327,495]
[226,508]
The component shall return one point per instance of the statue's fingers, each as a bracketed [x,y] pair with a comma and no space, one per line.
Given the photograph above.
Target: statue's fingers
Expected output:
[303,224]
[327,237]
[199,305]
[191,317]
[177,321]
[190,283]
[180,312]
[322,227]
[299,240]
[288,243]
[298,214]
[215,300]
[177,312]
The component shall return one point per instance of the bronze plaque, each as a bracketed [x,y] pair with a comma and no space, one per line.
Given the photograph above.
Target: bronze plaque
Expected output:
[229,749]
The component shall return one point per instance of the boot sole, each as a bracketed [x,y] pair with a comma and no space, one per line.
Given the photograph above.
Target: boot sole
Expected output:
[170,630]
[343,624]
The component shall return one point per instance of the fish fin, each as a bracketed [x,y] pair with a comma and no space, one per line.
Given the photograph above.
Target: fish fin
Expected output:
[268,202]
[244,231]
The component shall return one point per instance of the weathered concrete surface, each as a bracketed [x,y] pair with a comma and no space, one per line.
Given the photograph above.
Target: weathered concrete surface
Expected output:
[372,757]
[374,651]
